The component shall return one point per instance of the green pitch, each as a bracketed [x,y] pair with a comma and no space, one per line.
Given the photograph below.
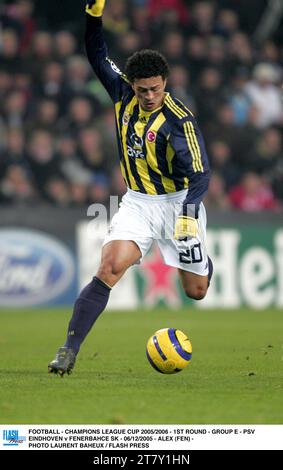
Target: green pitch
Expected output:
[236,373]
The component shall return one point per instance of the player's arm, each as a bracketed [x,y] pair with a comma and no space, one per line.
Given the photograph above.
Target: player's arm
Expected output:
[96,49]
[193,163]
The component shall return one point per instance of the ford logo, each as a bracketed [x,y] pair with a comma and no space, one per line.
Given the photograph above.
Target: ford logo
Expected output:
[35,268]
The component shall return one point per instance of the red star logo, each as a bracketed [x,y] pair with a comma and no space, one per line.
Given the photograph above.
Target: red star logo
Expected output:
[160,280]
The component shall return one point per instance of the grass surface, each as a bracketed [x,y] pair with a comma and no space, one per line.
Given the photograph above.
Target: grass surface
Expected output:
[235,376]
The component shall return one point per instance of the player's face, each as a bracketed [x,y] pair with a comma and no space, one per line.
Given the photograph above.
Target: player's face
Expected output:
[150,92]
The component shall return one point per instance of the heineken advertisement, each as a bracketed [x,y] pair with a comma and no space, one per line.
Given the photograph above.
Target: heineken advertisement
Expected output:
[248,270]
[248,266]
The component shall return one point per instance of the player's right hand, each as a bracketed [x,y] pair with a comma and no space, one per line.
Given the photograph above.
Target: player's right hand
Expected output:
[95,7]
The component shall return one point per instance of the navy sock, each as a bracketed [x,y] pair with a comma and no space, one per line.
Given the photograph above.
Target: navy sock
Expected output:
[88,306]
[210,269]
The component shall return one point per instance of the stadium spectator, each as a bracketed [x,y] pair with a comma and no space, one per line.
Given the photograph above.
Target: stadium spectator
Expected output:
[20,14]
[106,127]
[223,164]
[6,84]
[173,46]
[70,162]
[52,84]
[196,53]
[267,152]
[56,191]
[208,95]
[40,54]
[179,85]
[48,94]
[16,186]
[161,9]
[216,54]
[23,13]
[216,197]
[253,194]
[10,59]
[265,95]
[41,159]
[269,53]
[44,116]
[116,20]
[220,125]
[14,152]
[227,23]
[22,81]
[80,115]
[99,188]
[3,132]
[79,194]
[238,98]
[15,109]
[277,180]
[65,45]
[93,156]
[202,20]
[240,53]
[130,42]
[141,24]
[77,72]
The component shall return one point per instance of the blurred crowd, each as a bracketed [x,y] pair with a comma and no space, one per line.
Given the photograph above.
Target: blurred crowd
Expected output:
[57,126]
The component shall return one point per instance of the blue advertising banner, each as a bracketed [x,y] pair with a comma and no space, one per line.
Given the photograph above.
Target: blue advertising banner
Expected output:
[35,269]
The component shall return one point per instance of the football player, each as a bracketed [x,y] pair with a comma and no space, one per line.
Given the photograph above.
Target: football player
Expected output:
[165,166]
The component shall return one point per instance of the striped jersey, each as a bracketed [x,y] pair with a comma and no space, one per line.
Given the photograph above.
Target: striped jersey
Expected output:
[161,151]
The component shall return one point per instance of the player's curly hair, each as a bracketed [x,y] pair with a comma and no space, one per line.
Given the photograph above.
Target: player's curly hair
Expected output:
[145,64]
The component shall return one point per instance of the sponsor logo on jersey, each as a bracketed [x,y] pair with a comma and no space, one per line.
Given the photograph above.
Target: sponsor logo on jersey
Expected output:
[135,149]
[151,136]
[35,268]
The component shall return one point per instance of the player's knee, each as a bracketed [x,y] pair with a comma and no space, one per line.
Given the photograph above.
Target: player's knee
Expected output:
[109,268]
[196,291]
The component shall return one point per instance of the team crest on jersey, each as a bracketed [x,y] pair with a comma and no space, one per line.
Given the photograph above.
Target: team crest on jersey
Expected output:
[126,118]
[151,136]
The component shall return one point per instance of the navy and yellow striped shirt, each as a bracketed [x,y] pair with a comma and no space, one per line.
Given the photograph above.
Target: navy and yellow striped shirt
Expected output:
[161,151]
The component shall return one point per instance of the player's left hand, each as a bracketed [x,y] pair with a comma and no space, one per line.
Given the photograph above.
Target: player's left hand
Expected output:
[95,7]
[185,227]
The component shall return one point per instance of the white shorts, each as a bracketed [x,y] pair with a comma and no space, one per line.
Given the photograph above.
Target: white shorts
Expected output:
[144,218]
